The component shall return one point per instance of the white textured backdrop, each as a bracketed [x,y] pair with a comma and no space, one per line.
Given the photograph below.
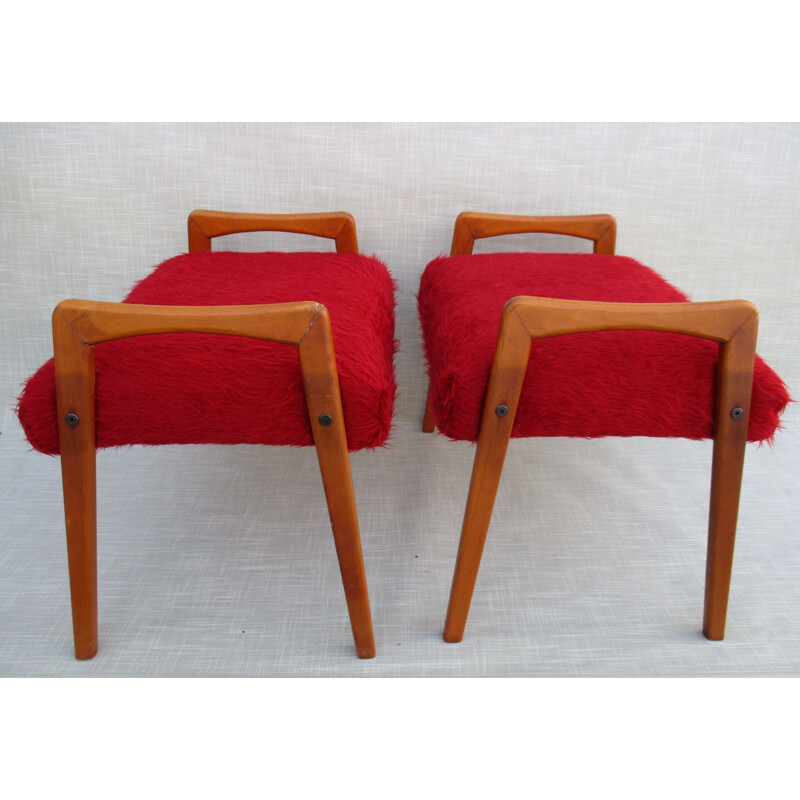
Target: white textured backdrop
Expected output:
[218,561]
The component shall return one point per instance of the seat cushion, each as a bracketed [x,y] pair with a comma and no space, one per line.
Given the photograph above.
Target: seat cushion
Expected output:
[607,383]
[215,389]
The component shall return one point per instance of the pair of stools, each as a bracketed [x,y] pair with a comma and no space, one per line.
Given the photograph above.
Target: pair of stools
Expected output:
[298,348]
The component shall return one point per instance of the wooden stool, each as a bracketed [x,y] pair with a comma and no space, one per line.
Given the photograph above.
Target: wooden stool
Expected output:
[533,344]
[121,375]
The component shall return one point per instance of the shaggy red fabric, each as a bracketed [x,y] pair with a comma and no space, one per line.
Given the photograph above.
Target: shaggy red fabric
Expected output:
[214,389]
[609,383]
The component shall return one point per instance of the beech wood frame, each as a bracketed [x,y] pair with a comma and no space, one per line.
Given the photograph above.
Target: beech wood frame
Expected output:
[733,324]
[337,225]
[78,325]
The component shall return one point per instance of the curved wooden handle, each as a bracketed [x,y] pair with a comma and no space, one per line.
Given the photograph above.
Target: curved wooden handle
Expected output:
[718,320]
[206,225]
[472,225]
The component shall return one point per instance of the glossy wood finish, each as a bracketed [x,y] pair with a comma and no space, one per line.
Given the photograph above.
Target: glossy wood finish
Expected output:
[733,324]
[472,225]
[505,383]
[96,322]
[601,229]
[206,225]
[734,386]
[74,363]
[321,384]
[79,324]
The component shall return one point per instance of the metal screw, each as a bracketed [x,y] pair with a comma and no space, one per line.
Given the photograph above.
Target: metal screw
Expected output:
[72,419]
[737,412]
[325,420]
[501,410]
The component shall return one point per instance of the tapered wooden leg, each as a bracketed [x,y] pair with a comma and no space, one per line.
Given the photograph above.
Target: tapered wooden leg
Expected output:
[334,464]
[74,363]
[486,472]
[80,510]
[428,422]
[730,437]
[499,411]
[726,482]
[327,424]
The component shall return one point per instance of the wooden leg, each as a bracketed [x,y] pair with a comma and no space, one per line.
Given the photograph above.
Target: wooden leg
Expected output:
[726,482]
[730,437]
[334,464]
[428,422]
[80,511]
[499,410]
[486,472]
[327,423]
[74,362]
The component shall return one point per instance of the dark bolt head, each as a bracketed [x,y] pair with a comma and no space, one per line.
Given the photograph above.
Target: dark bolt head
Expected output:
[737,412]
[72,419]
[501,410]
[325,420]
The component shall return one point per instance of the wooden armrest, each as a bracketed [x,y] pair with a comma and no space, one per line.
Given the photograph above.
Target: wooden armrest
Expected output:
[472,225]
[206,225]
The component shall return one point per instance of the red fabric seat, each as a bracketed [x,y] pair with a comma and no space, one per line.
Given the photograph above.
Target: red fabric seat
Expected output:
[610,383]
[214,389]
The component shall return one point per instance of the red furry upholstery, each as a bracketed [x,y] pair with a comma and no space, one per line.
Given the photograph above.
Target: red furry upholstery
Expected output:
[207,388]
[609,383]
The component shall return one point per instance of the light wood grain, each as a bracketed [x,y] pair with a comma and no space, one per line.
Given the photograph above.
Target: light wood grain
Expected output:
[75,385]
[206,225]
[321,384]
[505,384]
[97,322]
[732,323]
[472,225]
[78,325]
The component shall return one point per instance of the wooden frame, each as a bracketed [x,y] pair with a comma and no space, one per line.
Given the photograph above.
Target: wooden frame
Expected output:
[78,325]
[337,225]
[472,225]
[734,324]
